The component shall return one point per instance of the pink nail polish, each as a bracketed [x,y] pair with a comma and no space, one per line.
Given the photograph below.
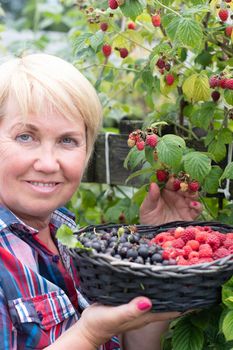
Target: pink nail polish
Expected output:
[194,204]
[144,305]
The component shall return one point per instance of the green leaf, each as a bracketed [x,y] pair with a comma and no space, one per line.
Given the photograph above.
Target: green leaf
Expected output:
[227,326]
[80,42]
[203,115]
[196,87]
[187,337]
[148,79]
[65,236]
[198,165]
[170,149]
[189,33]
[149,153]
[227,296]
[139,173]
[96,40]
[228,172]
[134,158]
[218,149]
[132,8]
[228,96]
[226,135]
[211,183]
[88,199]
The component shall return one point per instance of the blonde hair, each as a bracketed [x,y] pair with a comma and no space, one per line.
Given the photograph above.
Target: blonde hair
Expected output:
[37,80]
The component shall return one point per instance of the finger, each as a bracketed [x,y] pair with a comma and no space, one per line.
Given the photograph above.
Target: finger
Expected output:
[151,198]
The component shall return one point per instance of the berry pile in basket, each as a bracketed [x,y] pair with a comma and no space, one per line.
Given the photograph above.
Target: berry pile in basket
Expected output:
[178,246]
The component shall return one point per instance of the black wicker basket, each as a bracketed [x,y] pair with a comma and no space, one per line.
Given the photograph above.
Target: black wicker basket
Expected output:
[112,281]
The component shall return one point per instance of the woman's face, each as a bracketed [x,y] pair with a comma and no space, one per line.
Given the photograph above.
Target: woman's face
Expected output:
[42,161]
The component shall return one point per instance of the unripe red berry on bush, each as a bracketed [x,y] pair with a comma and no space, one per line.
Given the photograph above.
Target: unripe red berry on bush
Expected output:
[156,20]
[169,79]
[140,145]
[107,50]
[113,4]
[228,30]
[123,52]
[151,140]
[223,14]
[104,26]
[131,25]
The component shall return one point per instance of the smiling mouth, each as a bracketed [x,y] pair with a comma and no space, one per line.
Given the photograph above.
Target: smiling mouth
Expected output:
[43,184]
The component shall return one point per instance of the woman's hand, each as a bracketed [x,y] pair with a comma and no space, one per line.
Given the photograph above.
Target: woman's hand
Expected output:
[160,207]
[99,323]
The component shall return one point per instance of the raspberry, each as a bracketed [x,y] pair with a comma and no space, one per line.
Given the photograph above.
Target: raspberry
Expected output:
[205,251]
[123,52]
[228,242]
[205,260]
[228,1]
[182,261]
[188,235]
[214,81]
[167,66]
[215,95]
[193,244]
[104,26]
[169,79]
[178,243]
[223,14]
[131,25]
[178,232]
[140,145]
[162,175]
[176,184]
[156,20]
[214,241]
[131,143]
[193,186]
[186,251]
[160,63]
[162,238]
[194,260]
[107,50]
[201,237]
[193,254]
[113,4]
[151,140]
[229,84]
[222,83]
[220,253]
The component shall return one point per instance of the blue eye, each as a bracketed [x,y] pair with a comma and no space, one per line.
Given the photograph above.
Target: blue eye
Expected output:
[69,141]
[24,138]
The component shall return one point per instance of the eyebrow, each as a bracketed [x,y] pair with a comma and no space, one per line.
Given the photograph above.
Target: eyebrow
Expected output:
[34,128]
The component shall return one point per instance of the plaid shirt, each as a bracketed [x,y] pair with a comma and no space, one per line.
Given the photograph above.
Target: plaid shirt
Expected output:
[38,298]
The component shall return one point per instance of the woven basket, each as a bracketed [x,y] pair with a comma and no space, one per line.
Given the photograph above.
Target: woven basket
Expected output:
[112,281]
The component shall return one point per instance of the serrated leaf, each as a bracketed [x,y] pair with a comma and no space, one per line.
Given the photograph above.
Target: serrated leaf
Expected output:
[65,236]
[134,158]
[227,326]
[148,79]
[196,87]
[96,40]
[187,337]
[211,183]
[197,164]
[228,96]
[218,149]
[227,296]
[170,150]
[132,8]
[203,115]
[80,42]
[189,33]
[228,172]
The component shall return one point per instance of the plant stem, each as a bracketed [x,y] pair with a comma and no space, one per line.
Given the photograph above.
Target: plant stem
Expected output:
[168,8]
[135,42]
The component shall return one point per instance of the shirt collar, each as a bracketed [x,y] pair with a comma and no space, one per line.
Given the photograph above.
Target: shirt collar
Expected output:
[58,217]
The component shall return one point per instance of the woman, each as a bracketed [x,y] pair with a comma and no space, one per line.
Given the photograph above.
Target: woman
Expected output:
[49,119]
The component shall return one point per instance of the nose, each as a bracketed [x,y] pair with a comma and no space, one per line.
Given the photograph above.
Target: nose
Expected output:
[47,160]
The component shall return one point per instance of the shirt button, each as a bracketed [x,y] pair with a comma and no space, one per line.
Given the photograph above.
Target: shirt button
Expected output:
[40,315]
[55,258]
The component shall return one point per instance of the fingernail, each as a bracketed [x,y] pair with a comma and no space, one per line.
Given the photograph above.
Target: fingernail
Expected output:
[144,305]
[194,204]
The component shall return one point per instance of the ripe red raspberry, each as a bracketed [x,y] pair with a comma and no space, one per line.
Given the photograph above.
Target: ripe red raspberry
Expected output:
[228,30]
[223,14]
[176,184]
[220,253]
[131,25]
[161,238]
[229,84]
[123,52]
[193,244]
[214,241]
[186,251]
[215,95]
[182,261]
[205,251]
[193,254]
[178,243]
[151,140]
[228,242]
[228,1]
[160,63]
[193,186]
[140,145]
[205,260]
[162,175]
[222,83]
[169,79]
[107,50]
[188,235]
[104,26]
[201,237]
[194,260]
[156,20]
[113,4]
